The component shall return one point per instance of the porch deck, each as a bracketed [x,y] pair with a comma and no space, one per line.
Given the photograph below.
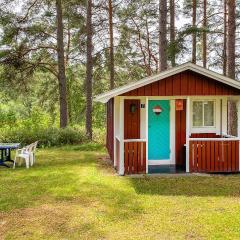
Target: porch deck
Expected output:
[172,169]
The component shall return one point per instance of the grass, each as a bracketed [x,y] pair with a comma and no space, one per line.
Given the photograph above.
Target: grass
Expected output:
[72,193]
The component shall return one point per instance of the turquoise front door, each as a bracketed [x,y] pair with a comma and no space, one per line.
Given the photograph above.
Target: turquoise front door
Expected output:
[158,130]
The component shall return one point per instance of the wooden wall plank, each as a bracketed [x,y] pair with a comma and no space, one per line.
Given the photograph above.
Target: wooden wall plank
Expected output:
[199,167]
[144,158]
[199,85]
[225,154]
[176,85]
[191,146]
[148,90]
[216,156]
[212,156]
[162,87]
[205,87]
[184,84]
[204,157]
[191,84]
[141,91]
[130,144]
[155,89]
[169,86]
[139,146]
[208,150]
[221,159]
[135,160]
[233,156]
[212,87]
[237,156]
[195,151]
[229,156]
[126,158]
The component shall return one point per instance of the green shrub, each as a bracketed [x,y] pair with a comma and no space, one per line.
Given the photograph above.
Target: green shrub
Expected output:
[47,137]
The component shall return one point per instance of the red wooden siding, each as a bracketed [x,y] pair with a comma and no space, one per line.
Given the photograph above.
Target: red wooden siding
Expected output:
[134,157]
[187,83]
[181,136]
[214,156]
[131,120]
[110,128]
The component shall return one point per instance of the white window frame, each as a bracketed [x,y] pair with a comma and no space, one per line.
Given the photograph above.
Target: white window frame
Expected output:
[204,128]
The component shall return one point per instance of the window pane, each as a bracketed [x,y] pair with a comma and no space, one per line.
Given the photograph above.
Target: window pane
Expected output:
[197,114]
[209,114]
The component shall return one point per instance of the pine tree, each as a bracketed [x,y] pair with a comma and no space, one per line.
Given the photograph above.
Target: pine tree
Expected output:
[204,34]
[172,31]
[231,38]
[194,37]
[225,39]
[111,47]
[162,35]
[61,67]
[89,71]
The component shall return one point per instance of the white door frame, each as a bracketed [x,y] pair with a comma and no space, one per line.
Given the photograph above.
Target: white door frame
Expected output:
[172,159]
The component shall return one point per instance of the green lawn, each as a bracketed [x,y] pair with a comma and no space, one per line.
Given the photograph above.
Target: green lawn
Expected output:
[73,194]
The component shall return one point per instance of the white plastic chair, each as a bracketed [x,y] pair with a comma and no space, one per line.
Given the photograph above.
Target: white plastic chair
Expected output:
[32,151]
[23,153]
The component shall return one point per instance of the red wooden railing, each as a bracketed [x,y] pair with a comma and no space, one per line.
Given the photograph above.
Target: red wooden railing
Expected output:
[214,155]
[134,157]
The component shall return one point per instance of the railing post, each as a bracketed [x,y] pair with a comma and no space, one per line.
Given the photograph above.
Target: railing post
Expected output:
[187,133]
[121,135]
[238,127]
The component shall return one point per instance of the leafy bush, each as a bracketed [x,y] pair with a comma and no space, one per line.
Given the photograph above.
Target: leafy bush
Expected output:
[47,137]
[37,125]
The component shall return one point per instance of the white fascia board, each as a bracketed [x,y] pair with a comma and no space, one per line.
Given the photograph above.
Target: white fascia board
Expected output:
[186,66]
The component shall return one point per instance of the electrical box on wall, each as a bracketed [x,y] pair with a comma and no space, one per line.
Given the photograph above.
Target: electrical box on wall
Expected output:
[179,104]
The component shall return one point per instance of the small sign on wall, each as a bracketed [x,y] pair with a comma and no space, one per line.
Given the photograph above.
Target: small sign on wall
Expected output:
[179,104]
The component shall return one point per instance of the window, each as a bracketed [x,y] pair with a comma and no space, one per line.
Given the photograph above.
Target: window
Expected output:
[203,113]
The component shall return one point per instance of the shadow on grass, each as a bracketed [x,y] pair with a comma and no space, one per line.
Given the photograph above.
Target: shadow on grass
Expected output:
[189,186]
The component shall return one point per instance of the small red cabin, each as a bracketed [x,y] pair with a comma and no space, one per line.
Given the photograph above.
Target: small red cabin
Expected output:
[176,120]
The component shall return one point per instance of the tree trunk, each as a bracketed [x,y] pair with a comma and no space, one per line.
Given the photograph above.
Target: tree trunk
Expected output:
[194,37]
[162,35]
[61,68]
[172,31]
[89,72]
[225,40]
[204,36]
[111,52]
[231,38]
[232,127]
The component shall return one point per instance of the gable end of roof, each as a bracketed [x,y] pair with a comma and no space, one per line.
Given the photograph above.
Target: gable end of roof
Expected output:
[181,68]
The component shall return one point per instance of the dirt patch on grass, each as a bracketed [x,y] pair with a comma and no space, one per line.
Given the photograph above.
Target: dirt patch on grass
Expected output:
[25,223]
[61,220]
[104,163]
